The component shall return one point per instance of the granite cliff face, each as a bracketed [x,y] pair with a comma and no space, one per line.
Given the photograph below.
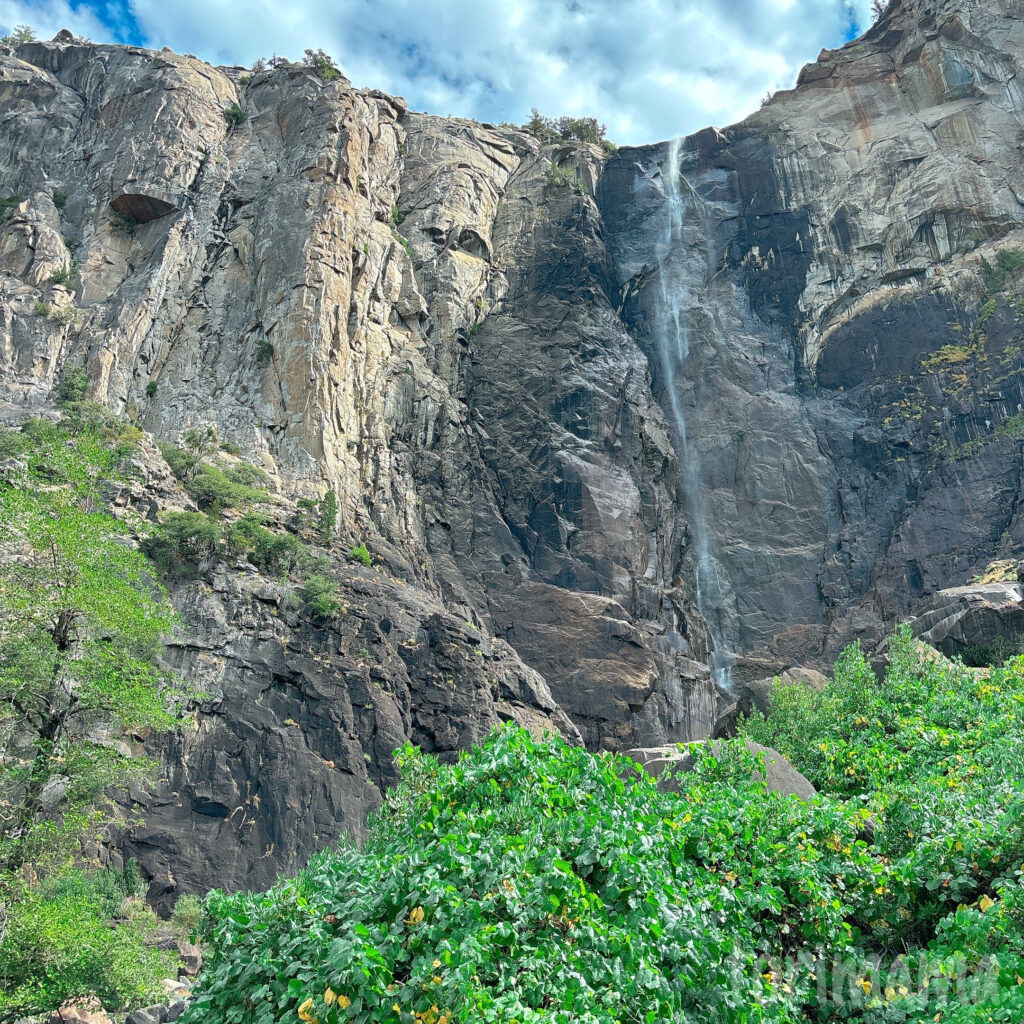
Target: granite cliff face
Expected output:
[730,402]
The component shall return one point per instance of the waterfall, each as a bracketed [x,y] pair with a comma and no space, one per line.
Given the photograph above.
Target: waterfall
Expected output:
[681,282]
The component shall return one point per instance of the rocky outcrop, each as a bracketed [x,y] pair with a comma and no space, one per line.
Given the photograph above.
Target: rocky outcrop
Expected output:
[972,618]
[852,375]
[603,423]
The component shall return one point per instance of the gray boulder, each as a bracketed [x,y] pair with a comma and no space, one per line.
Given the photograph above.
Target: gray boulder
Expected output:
[781,776]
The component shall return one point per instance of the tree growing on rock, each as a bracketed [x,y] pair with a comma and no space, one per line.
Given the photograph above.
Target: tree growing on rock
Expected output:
[81,622]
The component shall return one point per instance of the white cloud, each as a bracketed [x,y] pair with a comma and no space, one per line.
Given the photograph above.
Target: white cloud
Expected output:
[650,69]
[48,17]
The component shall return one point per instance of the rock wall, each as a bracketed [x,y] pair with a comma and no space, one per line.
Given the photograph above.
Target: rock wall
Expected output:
[456,329]
[853,376]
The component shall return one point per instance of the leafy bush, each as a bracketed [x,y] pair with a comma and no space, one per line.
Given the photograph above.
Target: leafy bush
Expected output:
[151,388]
[360,554]
[566,129]
[264,351]
[214,490]
[535,882]
[234,115]
[183,543]
[21,34]
[1009,262]
[7,206]
[72,385]
[65,275]
[321,595]
[60,199]
[277,553]
[556,178]
[187,913]
[79,934]
[323,64]
[248,475]
[41,308]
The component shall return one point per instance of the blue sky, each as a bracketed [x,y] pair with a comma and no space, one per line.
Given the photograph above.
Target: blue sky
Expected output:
[649,69]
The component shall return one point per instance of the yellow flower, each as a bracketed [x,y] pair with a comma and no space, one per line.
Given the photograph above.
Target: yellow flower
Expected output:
[330,996]
[396,1008]
[415,916]
[865,985]
[437,963]
[730,876]
[344,1002]
[306,1011]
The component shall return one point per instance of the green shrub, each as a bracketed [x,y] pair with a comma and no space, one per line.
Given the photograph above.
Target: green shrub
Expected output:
[78,935]
[123,223]
[276,553]
[264,351]
[321,595]
[66,275]
[566,129]
[181,462]
[214,490]
[234,115]
[556,178]
[403,242]
[72,385]
[326,517]
[60,199]
[21,34]
[536,882]
[183,543]
[41,308]
[396,215]
[151,388]
[7,206]
[360,554]
[323,64]
[187,913]
[248,475]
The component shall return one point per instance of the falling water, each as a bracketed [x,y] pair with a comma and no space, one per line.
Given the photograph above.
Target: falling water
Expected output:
[679,286]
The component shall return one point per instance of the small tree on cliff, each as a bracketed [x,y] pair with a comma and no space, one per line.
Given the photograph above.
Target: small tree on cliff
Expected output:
[81,621]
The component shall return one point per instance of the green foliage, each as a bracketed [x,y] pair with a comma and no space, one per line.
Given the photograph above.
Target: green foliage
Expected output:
[998,652]
[60,199]
[41,308]
[7,205]
[557,178]
[536,882]
[321,595]
[264,351]
[326,517]
[244,79]
[79,933]
[66,275]
[323,64]
[21,34]
[215,490]
[275,553]
[1009,262]
[151,389]
[396,215]
[123,223]
[234,115]
[183,544]
[72,385]
[564,129]
[81,623]
[403,242]
[187,913]
[360,554]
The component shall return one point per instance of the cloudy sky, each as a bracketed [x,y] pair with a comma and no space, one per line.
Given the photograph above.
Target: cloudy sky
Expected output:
[649,69]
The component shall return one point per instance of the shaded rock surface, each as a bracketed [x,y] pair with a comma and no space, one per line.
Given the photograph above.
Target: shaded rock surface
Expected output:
[411,311]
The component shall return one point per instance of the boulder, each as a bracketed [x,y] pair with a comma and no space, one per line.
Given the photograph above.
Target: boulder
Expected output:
[781,776]
[973,616]
[87,1010]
